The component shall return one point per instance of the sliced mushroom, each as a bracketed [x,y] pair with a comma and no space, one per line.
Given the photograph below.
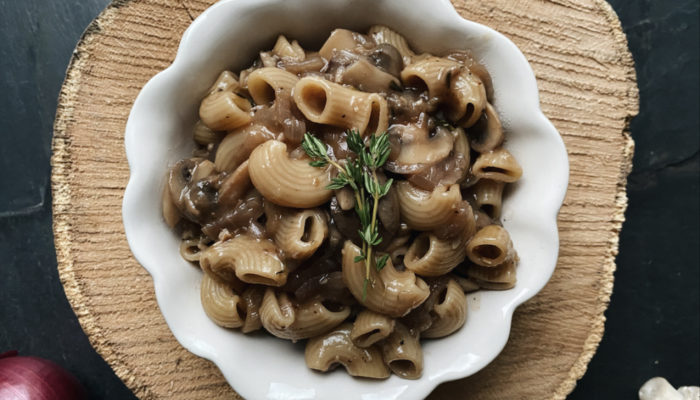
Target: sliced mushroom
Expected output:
[346,221]
[453,169]
[417,148]
[193,188]
[388,58]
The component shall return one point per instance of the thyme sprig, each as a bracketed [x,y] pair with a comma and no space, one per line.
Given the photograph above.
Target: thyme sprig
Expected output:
[360,174]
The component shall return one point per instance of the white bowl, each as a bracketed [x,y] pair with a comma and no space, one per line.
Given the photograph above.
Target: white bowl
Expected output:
[158,133]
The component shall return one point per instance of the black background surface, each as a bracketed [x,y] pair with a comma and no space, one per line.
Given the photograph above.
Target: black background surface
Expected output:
[652,327]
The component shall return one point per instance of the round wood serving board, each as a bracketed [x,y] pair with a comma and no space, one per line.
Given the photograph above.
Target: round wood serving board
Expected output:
[588,90]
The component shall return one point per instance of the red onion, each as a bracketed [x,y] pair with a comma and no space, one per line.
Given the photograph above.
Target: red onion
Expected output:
[33,378]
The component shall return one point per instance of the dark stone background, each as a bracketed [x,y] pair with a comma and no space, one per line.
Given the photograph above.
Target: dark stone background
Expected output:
[652,326]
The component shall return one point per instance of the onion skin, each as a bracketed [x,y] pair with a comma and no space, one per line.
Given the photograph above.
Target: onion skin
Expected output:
[33,378]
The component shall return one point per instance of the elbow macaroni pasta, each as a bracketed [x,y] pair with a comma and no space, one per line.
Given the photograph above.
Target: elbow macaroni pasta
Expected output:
[285,181]
[329,103]
[394,293]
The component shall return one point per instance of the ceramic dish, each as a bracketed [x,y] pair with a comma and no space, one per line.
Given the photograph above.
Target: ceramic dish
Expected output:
[228,35]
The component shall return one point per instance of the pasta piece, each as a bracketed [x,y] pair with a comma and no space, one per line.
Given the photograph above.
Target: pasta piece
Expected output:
[429,255]
[225,111]
[286,320]
[370,327]
[490,246]
[339,39]
[204,135]
[431,73]
[326,352]
[467,98]
[367,77]
[221,303]
[449,313]
[252,298]
[482,219]
[237,146]
[171,215]
[265,84]
[291,51]
[402,353]
[424,210]
[297,233]
[467,285]
[191,249]
[487,134]
[285,181]
[488,195]
[391,292]
[502,277]
[498,165]
[383,34]
[226,82]
[249,259]
[325,102]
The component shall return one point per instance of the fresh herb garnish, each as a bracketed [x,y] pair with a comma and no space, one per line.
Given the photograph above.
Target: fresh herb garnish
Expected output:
[361,175]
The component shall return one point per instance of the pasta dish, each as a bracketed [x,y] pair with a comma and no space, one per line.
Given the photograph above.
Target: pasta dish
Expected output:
[348,197]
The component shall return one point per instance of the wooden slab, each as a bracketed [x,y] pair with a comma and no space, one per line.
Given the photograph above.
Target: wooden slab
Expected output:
[587,86]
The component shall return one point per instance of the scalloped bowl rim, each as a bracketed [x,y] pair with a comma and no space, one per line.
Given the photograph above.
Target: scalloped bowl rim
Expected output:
[160,112]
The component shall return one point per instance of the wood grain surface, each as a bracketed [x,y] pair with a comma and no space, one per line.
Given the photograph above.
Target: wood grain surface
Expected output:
[588,90]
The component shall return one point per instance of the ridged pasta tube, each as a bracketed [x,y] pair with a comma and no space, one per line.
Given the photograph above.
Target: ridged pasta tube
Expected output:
[466,99]
[370,327]
[292,51]
[251,260]
[367,77]
[423,210]
[252,298]
[325,352]
[265,83]
[429,255]
[490,246]
[224,111]
[205,136]
[432,73]
[221,304]
[501,277]
[285,181]
[449,313]
[329,103]
[287,320]
[498,165]
[237,146]
[391,292]
[298,233]
[489,197]
[467,285]
[402,352]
